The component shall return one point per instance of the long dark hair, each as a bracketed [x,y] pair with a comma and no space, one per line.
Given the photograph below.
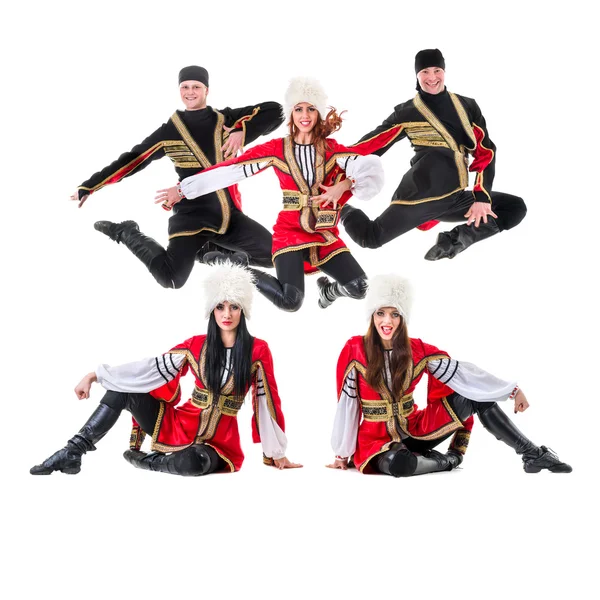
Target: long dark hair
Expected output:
[241,358]
[322,129]
[401,358]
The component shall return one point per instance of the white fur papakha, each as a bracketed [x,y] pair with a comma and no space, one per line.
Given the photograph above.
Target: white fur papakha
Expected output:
[231,283]
[389,290]
[305,89]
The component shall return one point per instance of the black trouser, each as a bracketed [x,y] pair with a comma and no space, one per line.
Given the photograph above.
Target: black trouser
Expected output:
[397,219]
[290,268]
[173,268]
[286,291]
[145,408]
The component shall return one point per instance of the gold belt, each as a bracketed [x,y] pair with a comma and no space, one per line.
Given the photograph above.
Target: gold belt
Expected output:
[297,201]
[382,410]
[227,405]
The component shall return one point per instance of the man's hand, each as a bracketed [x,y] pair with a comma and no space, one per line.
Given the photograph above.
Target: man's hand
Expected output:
[82,389]
[284,463]
[168,197]
[234,142]
[521,404]
[81,200]
[332,193]
[478,211]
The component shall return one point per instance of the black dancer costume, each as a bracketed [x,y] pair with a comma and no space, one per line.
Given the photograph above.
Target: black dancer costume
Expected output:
[443,129]
[193,141]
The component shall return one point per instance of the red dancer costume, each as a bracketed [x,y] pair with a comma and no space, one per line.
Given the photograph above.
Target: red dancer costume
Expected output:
[204,418]
[201,435]
[385,431]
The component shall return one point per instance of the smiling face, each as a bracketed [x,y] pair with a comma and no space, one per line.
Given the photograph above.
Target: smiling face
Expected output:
[431,80]
[304,116]
[386,320]
[193,94]
[227,315]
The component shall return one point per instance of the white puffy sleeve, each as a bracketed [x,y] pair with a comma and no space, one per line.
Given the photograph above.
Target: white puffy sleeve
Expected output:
[347,418]
[273,439]
[219,178]
[470,381]
[366,172]
[141,376]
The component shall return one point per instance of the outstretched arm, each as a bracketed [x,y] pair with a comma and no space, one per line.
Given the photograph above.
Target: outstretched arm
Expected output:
[143,375]
[219,176]
[382,138]
[470,381]
[138,158]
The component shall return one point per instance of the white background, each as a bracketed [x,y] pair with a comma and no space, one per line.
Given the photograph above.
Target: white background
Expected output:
[84,83]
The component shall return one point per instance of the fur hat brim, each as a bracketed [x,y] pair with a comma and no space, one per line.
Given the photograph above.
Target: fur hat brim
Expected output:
[305,89]
[389,290]
[231,283]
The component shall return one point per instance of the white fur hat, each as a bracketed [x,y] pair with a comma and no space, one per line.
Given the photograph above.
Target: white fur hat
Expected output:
[231,283]
[389,290]
[305,89]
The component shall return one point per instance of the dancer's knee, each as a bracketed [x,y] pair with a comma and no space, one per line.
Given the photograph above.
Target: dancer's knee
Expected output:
[404,464]
[507,219]
[292,298]
[115,400]
[357,288]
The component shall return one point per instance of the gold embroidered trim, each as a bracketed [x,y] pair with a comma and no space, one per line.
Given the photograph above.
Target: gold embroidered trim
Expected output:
[203,160]
[460,441]
[161,414]
[148,153]
[325,234]
[255,367]
[296,172]
[464,119]
[432,199]
[229,463]
[400,127]
[459,158]
[227,405]
[315,262]
[376,411]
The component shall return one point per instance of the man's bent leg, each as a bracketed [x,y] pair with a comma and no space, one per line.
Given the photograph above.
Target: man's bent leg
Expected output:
[394,221]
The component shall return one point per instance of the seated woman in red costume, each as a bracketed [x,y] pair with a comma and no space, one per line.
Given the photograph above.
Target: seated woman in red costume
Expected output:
[200,436]
[376,376]
[317,176]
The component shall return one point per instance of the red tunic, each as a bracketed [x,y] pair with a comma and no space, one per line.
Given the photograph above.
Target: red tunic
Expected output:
[209,420]
[307,226]
[385,417]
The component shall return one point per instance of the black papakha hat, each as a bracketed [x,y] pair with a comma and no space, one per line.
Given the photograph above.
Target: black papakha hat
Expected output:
[429,58]
[194,73]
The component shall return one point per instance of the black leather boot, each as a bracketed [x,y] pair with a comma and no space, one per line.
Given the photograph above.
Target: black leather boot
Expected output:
[68,459]
[114,230]
[545,458]
[494,419]
[433,461]
[190,462]
[451,243]
[330,291]
[399,461]
[214,257]
[143,247]
[286,297]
